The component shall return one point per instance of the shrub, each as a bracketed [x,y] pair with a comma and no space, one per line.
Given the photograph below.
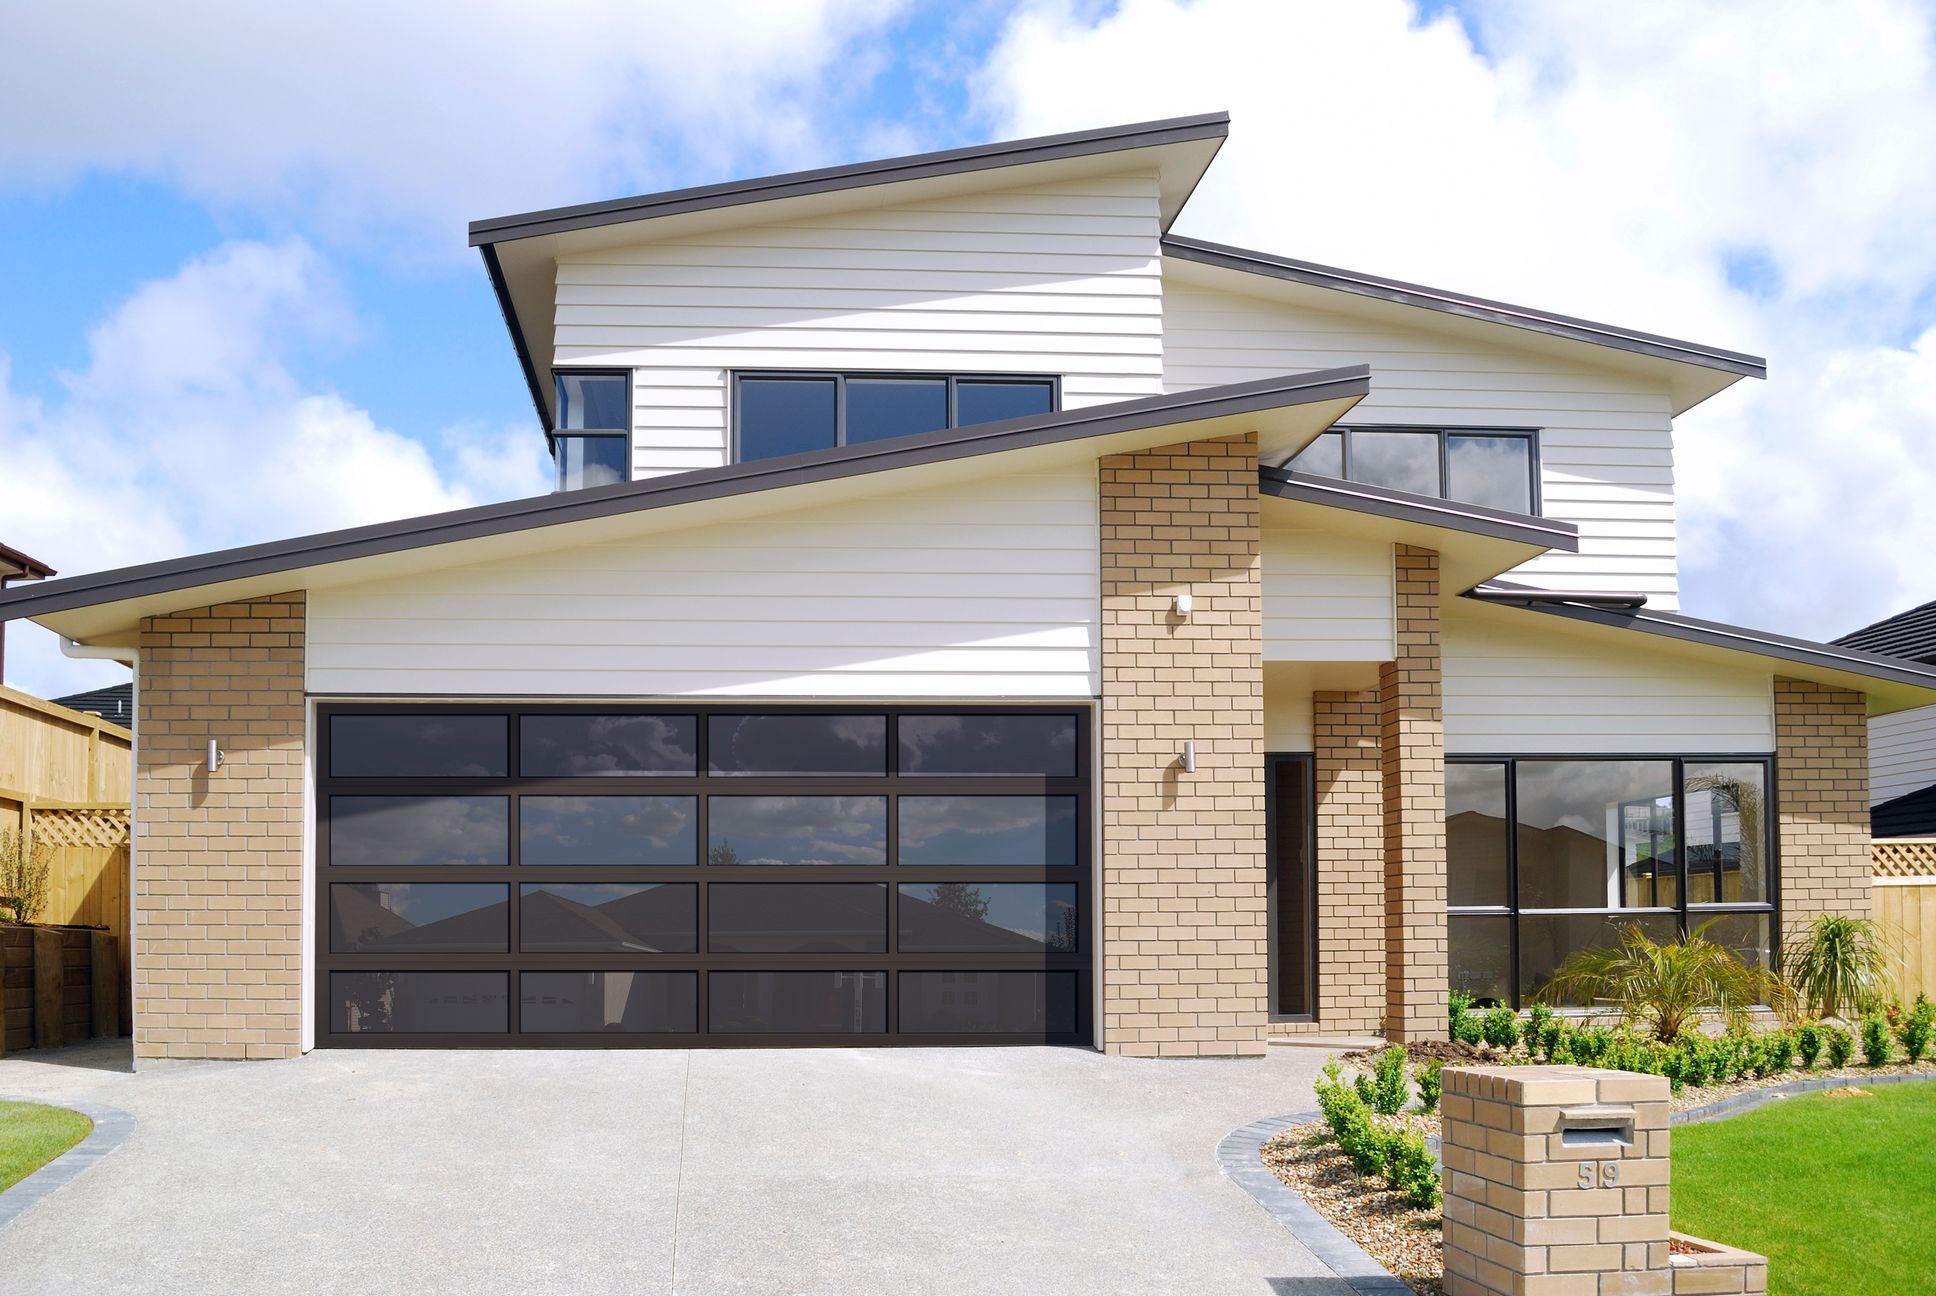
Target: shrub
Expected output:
[26,866]
[1917,1028]
[1431,1083]
[1779,1049]
[1841,1046]
[1590,1045]
[1501,1027]
[1839,966]
[1410,1169]
[1458,1015]
[1539,1019]
[1559,1044]
[1667,987]
[1876,1041]
[1808,1042]
[1387,1096]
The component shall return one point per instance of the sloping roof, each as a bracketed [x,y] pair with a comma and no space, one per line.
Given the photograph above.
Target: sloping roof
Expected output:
[1249,401]
[114,703]
[1850,667]
[1429,510]
[1913,814]
[1910,634]
[14,563]
[1454,303]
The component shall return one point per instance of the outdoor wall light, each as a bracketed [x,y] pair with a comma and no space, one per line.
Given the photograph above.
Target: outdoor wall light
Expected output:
[215,755]
[1183,602]
[1189,756]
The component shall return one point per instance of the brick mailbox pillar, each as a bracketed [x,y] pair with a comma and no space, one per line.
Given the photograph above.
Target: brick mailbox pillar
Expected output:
[1557,1184]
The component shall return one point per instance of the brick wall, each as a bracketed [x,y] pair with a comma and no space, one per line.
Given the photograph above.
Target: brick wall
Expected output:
[1351,863]
[1822,800]
[218,874]
[1412,741]
[1183,900]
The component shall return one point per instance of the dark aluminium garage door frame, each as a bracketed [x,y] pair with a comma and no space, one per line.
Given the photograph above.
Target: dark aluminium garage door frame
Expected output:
[893,962]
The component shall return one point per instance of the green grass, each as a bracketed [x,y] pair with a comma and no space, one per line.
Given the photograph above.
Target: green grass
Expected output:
[1838,1193]
[32,1135]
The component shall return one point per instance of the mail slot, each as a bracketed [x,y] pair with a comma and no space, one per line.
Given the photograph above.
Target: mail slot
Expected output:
[1597,1126]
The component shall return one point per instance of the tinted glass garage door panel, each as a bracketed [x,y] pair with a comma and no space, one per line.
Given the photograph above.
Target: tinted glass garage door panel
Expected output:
[612,875]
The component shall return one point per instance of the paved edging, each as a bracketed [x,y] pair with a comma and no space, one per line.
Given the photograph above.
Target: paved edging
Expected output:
[1723,1108]
[1241,1156]
[111,1129]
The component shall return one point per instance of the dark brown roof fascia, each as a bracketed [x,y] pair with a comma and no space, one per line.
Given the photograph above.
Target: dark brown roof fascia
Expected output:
[1427,510]
[25,567]
[1761,643]
[1263,394]
[798,184]
[1310,273]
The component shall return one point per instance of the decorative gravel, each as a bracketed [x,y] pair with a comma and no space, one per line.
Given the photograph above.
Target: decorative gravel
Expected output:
[1402,1238]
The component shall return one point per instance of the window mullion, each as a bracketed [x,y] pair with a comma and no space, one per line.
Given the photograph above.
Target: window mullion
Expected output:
[1512,881]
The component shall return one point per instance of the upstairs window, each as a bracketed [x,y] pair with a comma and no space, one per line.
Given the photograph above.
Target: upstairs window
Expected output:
[1495,468]
[791,413]
[593,441]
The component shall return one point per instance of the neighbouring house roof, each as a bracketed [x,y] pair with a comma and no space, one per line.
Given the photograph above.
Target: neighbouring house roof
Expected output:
[1287,412]
[114,703]
[1913,814]
[1910,634]
[519,251]
[1891,683]
[14,564]
[1455,303]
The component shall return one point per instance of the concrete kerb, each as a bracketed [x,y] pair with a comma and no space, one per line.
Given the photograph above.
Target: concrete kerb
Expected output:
[112,1126]
[1241,1157]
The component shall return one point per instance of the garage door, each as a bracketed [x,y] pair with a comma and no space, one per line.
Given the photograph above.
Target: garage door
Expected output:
[630,876]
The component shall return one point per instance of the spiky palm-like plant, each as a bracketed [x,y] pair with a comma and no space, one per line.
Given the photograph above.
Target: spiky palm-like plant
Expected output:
[1839,966]
[1668,987]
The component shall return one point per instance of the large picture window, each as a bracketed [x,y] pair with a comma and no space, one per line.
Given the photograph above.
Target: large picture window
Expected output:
[1548,856]
[1495,468]
[793,412]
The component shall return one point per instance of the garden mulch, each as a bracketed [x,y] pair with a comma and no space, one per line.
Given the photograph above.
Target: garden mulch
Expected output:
[1405,1239]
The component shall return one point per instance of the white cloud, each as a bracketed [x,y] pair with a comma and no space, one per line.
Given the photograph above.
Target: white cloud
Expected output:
[1612,161]
[375,118]
[187,432]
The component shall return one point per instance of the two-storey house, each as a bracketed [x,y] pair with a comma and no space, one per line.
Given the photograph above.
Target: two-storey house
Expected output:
[971,613]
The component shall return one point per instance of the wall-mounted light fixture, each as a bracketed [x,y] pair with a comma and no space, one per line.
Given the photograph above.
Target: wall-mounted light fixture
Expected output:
[215,755]
[1189,757]
[1183,602]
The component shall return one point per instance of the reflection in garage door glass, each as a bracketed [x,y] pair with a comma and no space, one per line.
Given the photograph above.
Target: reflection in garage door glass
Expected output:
[821,1003]
[608,831]
[1038,832]
[607,746]
[420,917]
[614,917]
[616,1002]
[799,744]
[408,832]
[806,831]
[427,1003]
[1043,745]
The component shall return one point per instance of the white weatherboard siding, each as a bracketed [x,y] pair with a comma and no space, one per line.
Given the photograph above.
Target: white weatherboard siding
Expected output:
[1902,753]
[1060,279]
[1606,448]
[986,589]
[1326,598]
[1521,690]
[1288,723]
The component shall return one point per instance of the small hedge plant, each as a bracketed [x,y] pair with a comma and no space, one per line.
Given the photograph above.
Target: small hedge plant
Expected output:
[1397,1155]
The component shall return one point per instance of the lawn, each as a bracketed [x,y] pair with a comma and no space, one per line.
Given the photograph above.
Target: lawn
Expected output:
[1838,1192]
[32,1135]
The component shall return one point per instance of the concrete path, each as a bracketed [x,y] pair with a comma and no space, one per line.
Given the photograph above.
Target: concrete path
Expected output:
[808,1171]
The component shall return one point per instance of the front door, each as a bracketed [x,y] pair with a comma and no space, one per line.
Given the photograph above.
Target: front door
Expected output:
[1292,886]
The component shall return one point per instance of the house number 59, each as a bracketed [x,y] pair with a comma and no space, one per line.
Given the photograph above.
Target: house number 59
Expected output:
[1605,1173]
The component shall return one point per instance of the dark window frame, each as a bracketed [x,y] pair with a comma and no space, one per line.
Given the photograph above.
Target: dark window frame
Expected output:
[840,378]
[1445,432]
[1272,842]
[1080,962]
[1686,916]
[606,434]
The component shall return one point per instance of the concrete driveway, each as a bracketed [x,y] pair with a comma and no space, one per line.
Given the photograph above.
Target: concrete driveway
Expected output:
[815,1170]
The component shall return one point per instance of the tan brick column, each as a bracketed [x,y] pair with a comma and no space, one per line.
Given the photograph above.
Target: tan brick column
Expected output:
[1351,862]
[218,865]
[1412,738]
[1183,902]
[1822,802]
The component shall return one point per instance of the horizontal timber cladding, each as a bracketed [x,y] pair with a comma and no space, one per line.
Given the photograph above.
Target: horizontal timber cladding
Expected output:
[986,589]
[633,875]
[1605,438]
[1058,278]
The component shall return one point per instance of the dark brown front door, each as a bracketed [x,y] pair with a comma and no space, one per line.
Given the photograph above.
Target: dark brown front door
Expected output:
[1293,888]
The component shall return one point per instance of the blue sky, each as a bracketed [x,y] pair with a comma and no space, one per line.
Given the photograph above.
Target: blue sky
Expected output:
[239,302]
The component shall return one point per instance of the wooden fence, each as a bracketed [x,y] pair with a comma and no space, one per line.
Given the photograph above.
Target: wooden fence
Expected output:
[1905,909]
